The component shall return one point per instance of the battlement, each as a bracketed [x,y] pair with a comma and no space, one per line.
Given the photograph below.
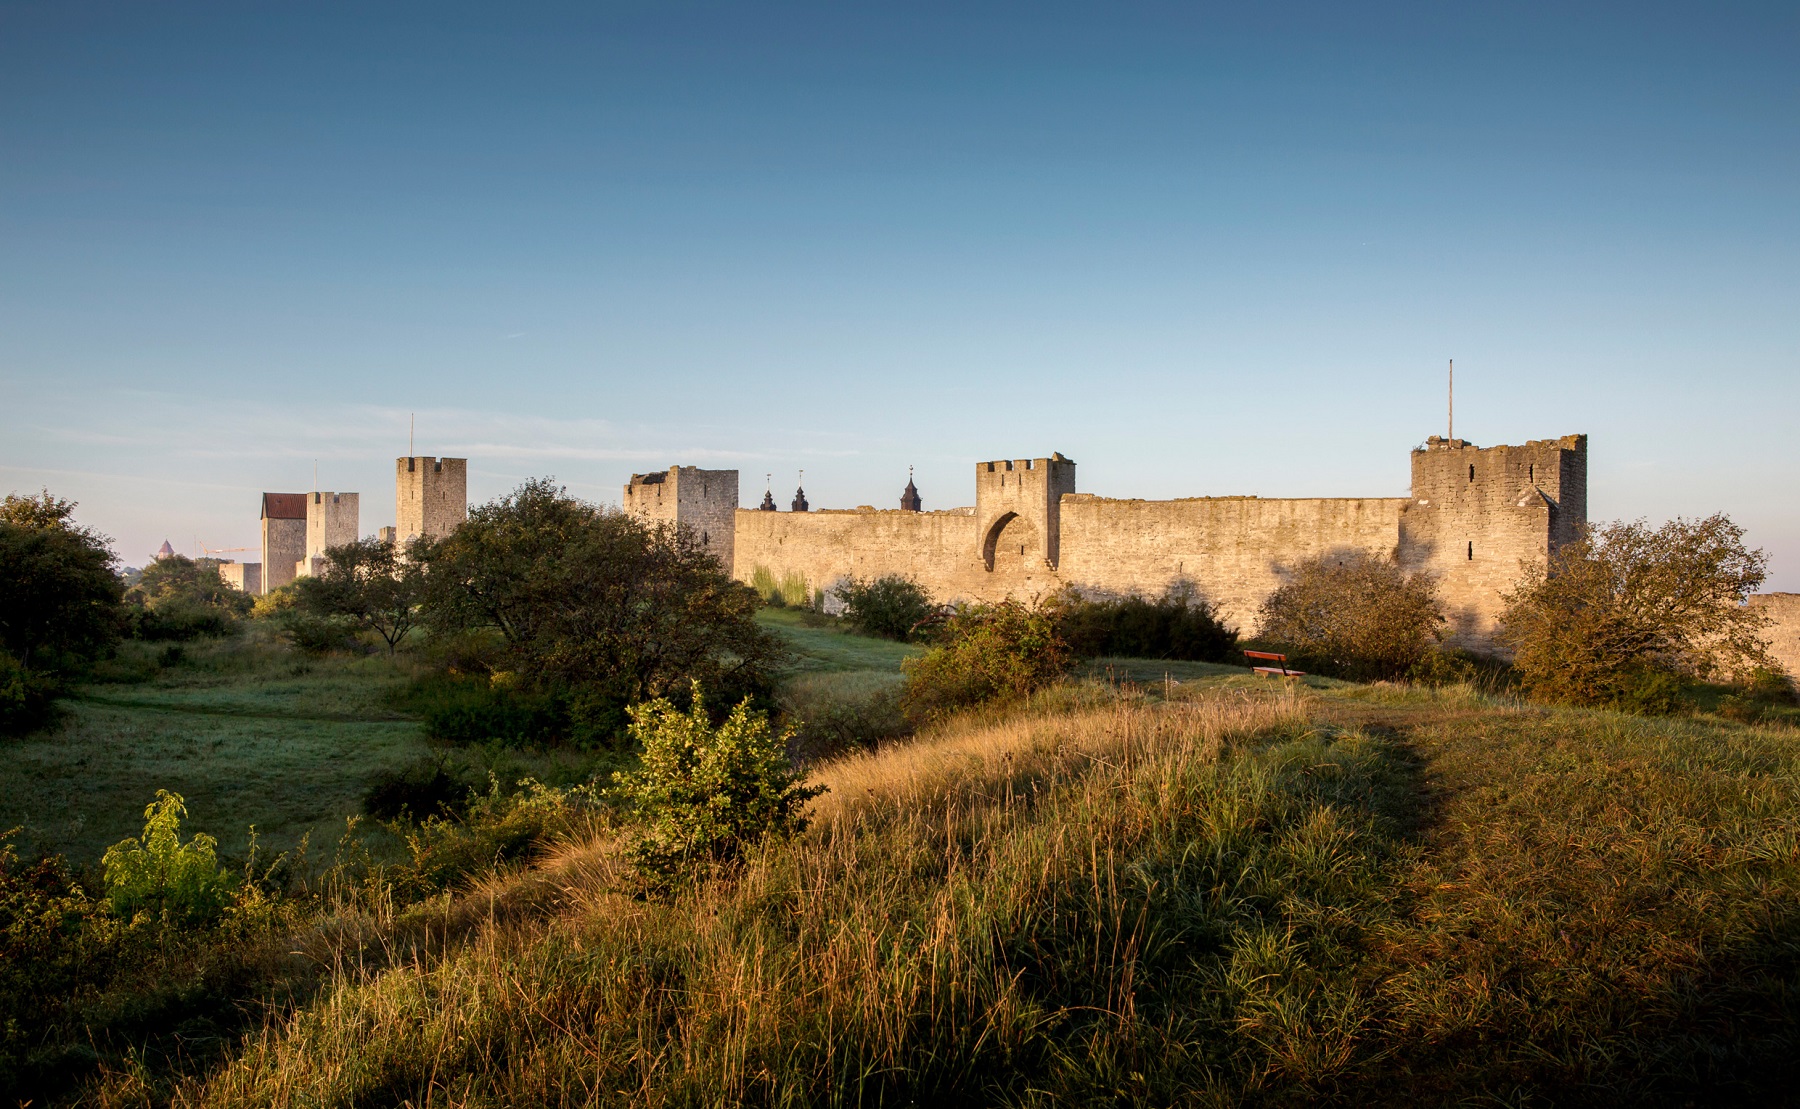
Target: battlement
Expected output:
[431,496]
[332,520]
[1019,505]
[703,501]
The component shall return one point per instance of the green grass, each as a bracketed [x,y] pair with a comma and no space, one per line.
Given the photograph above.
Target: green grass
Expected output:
[825,648]
[247,732]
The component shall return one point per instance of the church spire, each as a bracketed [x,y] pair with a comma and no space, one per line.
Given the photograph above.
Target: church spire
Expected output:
[800,504]
[768,504]
[909,500]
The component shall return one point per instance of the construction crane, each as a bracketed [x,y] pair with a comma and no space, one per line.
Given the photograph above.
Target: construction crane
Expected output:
[221,550]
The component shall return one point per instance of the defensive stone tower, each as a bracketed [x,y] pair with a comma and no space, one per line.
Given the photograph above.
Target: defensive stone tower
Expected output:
[332,519]
[283,537]
[1018,511]
[1477,513]
[704,501]
[431,497]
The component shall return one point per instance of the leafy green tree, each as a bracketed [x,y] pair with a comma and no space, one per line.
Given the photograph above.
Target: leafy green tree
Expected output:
[59,603]
[1353,615]
[183,598]
[891,606]
[369,584]
[998,652]
[604,606]
[1625,614]
[160,874]
[707,793]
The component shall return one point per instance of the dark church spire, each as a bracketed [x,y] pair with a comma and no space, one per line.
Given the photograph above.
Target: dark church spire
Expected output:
[909,500]
[768,504]
[800,504]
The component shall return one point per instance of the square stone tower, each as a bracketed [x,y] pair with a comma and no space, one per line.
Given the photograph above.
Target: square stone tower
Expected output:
[283,537]
[1018,510]
[332,519]
[1477,513]
[703,501]
[431,497]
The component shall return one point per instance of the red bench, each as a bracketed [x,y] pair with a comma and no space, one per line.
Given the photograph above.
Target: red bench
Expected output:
[1269,657]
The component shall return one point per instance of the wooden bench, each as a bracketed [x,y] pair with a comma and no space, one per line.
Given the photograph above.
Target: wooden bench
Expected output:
[1269,657]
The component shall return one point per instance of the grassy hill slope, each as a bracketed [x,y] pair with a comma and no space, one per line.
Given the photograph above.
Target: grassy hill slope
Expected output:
[1206,892]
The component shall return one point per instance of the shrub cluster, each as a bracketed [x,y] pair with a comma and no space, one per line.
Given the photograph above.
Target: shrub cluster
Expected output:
[998,652]
[892,607]
[1352,615]
[1629,616]
[1178,625]
[588,611]
[59,605]
[180,598]
[706,794]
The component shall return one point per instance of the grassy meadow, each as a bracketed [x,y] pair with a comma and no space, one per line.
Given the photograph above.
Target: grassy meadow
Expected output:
[1156,884]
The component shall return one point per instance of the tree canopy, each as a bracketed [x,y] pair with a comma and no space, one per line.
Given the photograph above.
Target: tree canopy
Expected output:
[1626,601]
[59,594]
[1354,615]
[369,583]
[595,599]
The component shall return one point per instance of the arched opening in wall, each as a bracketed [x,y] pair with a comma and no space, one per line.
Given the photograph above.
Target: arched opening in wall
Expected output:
[1011,544]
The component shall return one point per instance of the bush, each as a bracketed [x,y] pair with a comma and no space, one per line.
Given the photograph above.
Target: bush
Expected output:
[27,698]
[497,828]
[418,792]
[596,607]
[477,710]
[1353,616]
[1179,625]
[834,713]
[1000,652]
[59,605]
[159,874]
[1627,616]
[890,607]
[179,598]
[707,794]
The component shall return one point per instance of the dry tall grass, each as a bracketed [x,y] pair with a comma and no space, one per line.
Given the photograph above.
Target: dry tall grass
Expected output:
[1086,904]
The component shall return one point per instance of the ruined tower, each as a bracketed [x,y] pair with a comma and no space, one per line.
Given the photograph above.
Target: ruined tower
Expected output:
[431,497]
[332,519]
[1477,513]
[703,501]
[283,537]
[1018,511]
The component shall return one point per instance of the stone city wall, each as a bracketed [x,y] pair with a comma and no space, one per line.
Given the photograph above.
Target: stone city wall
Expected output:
[1474,519]
[1783,633]
[1234,551]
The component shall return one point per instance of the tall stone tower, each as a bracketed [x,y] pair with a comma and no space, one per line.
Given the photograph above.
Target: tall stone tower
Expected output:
[1477,513]
[431,497]
[1018,509]
[703,501]
[283,537]
[332,519]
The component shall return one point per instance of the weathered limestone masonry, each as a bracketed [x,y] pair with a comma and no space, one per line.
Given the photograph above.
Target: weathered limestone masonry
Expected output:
[705,501]
[431,497]
[332,519]
[1783,611]
[1473,517]
[246,577]
[283,537]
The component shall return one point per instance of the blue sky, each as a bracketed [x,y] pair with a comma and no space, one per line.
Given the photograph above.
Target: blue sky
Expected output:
[1201,250]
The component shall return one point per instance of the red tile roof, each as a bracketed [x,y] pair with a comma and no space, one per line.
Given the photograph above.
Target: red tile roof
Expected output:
[284,506]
